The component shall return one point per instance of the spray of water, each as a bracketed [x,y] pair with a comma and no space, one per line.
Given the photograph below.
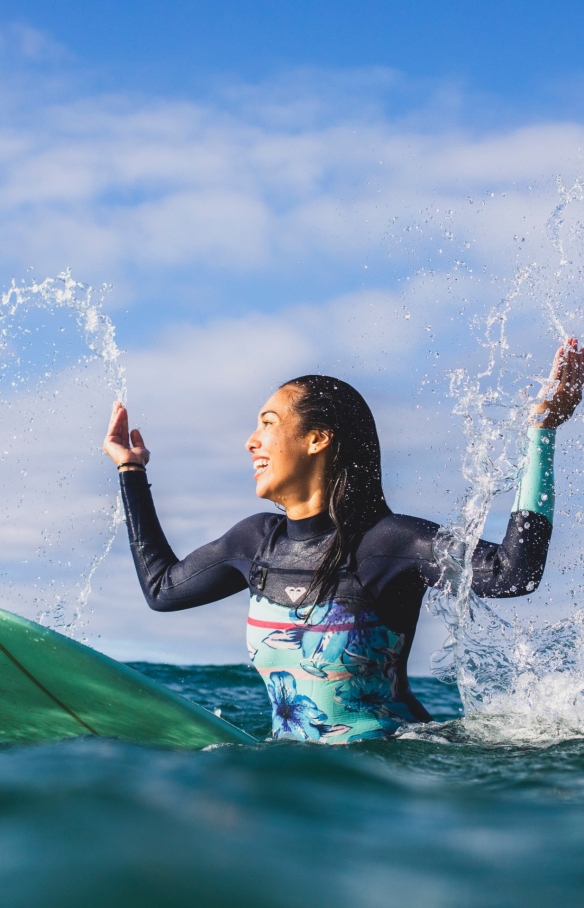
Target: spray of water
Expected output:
[59,368]
[519,680]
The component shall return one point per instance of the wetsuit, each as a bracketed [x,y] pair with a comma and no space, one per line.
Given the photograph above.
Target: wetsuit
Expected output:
[336,671]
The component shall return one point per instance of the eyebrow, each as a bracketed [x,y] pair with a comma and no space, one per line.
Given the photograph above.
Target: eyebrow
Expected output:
[265,412]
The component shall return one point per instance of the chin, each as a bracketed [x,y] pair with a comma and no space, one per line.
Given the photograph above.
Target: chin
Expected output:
[263,491]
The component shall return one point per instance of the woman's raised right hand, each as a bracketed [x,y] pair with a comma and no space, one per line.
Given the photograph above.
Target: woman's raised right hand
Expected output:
[121,445]
[567,376]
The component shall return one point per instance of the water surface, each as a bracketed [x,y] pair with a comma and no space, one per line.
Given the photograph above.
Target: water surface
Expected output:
[442,817]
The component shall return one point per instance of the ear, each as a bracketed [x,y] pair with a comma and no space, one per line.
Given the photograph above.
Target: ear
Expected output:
[319,440]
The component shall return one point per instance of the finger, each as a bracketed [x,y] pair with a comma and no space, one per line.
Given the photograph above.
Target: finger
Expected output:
[114,416]
[576,376]
[574,357]
[557,364]
[580,359]
[118,431]
[561,362]
[571,346]
[137,440]
[564,373]
[572,372]
[139,447]
[122,425]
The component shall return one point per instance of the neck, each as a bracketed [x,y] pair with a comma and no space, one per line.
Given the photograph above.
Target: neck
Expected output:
[299,510]
[305,497]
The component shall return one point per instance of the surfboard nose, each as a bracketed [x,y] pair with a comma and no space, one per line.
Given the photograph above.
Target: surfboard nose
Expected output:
[52,687]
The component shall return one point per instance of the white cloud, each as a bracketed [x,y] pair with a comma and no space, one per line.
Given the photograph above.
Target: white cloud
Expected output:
[29,45]
[120,186]
[211,225]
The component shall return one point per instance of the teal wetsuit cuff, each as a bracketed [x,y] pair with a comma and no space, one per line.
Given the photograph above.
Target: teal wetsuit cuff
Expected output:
[536,488]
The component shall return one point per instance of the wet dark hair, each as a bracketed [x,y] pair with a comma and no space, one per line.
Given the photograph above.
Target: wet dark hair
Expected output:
[356,497]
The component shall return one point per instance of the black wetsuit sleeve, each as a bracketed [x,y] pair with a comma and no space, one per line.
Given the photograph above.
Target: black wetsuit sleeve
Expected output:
[211,572]
[515,567]
[401,556]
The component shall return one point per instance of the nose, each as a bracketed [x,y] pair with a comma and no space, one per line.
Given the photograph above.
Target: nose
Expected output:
[252,443]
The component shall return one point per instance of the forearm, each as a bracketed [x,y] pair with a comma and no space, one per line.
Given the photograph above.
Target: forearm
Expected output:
[212,572]
[535,491]
[515,567]
[152,554]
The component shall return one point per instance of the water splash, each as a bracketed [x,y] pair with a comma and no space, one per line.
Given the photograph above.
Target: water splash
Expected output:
[519,680]
[59,368]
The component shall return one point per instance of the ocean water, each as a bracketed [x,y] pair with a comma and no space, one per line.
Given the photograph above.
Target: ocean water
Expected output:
[436,818]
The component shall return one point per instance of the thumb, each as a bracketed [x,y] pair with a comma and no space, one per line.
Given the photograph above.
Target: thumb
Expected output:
[137,440]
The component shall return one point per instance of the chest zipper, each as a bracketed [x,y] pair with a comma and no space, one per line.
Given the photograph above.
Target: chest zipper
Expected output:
[258,576]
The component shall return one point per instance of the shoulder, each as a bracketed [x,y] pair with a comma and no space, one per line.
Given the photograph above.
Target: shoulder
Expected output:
[400,535]
[249,532]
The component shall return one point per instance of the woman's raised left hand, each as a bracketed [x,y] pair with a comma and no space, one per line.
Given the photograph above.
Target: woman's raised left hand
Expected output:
[568,372]
[123,446]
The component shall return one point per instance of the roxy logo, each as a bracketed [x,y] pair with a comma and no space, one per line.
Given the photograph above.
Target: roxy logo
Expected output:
[295,592]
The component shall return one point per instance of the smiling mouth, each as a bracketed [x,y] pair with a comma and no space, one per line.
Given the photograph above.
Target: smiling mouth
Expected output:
[260,466]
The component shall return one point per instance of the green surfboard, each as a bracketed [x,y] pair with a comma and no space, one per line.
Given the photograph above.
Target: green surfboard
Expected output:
[53,688]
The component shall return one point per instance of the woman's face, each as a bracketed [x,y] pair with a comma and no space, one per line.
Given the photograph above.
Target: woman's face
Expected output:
[286,464]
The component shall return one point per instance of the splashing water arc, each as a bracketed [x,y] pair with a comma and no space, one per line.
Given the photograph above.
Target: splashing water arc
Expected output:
[59,367]
[506,662]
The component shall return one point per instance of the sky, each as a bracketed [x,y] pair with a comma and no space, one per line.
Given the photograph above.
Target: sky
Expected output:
[272,189]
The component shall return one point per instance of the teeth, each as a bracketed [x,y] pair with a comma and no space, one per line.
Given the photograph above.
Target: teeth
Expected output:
[260,464]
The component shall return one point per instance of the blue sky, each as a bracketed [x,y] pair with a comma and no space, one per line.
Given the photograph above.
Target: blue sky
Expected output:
[524,53]
[280,188]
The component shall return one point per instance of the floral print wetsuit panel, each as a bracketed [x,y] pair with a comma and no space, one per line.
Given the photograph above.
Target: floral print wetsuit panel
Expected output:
[330,672]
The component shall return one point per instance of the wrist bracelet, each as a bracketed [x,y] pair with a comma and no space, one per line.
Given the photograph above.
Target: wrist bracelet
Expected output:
[132,463]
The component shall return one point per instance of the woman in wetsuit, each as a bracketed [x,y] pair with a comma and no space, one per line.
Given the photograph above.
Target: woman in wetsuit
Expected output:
[337,583]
